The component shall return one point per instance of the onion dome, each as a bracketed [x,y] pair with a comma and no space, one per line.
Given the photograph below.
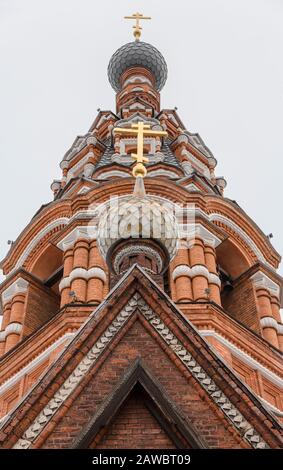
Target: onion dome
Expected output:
[137,54]
[134,217]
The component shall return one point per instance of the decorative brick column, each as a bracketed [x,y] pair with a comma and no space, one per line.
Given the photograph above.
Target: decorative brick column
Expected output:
[214,282]
[199,270]
[5,323]
[13,299]
[266,291]
[181,275]
[84,272]
[195,274]
[96,275]
[65,286]
[78,275]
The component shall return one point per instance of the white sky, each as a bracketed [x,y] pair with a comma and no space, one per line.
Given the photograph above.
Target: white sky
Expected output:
[225,76]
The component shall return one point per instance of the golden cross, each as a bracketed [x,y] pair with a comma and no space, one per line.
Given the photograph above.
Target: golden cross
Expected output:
[137,27]
[140,130]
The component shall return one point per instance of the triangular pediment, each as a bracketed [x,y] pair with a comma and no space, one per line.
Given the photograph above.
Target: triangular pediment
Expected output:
[137,300]
[139,382]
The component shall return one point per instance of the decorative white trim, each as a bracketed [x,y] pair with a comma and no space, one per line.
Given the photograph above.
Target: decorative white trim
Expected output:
[83,190]
[187,167]
[221,182]
[64,164]
[88,168]
[55,186]
[122,159]
[136,79]
[192,188]
[11,328]
[215,217]
[207,236]
[262,281]
[133,249]
[214,279]
[137,89]
[280,328]
[19,286]
[243,356]
[35,362]
[197,270]
[198,164]
[74,169]
[85,232]
[84,214]
[231,412]
[163,172]
[272,407]
[181,270]
[269,322]
[127,159]
[88,214]
[111,173]
[97,273]
[245,237]
[55,223]
[81,273]
[91,140]
[151,141]
[192,231]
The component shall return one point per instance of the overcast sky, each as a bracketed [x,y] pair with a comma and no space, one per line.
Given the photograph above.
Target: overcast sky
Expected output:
[225,76]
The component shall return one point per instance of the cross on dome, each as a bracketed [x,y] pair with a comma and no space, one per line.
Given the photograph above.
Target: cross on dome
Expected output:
[137,28]
[140,130]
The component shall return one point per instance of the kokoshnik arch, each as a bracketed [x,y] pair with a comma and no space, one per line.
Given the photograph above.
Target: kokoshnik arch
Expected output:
[117,330]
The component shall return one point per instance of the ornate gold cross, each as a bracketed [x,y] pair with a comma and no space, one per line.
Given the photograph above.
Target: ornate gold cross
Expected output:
[137,27]
[140,130]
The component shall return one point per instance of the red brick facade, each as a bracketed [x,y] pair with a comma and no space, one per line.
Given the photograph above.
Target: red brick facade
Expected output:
[143,345]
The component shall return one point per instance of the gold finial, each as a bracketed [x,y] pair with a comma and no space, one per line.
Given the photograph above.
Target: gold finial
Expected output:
[137,27]
[140,130]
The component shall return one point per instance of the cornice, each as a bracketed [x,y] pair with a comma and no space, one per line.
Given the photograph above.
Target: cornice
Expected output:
[206,205]
[246,358]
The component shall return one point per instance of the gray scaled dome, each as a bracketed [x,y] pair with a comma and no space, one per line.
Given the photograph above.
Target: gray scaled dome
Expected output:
[139,54]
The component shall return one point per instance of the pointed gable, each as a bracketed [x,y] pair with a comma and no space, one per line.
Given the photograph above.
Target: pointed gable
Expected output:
[137,320]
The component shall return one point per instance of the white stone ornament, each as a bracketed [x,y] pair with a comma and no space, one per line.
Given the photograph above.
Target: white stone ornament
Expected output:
[246,430]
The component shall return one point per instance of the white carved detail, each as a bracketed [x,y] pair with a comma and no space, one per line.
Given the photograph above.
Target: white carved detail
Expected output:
[261,280]
[269,322]
[229,409]
[81,273]
[15,328]
[85,232]
[19,286]
[197,270]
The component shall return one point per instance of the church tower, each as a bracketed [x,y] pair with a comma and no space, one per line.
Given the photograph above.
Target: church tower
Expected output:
[141,307]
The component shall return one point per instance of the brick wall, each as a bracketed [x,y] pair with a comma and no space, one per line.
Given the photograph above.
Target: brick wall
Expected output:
[134,427]
[184,391]
[41,305]
[241,304]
